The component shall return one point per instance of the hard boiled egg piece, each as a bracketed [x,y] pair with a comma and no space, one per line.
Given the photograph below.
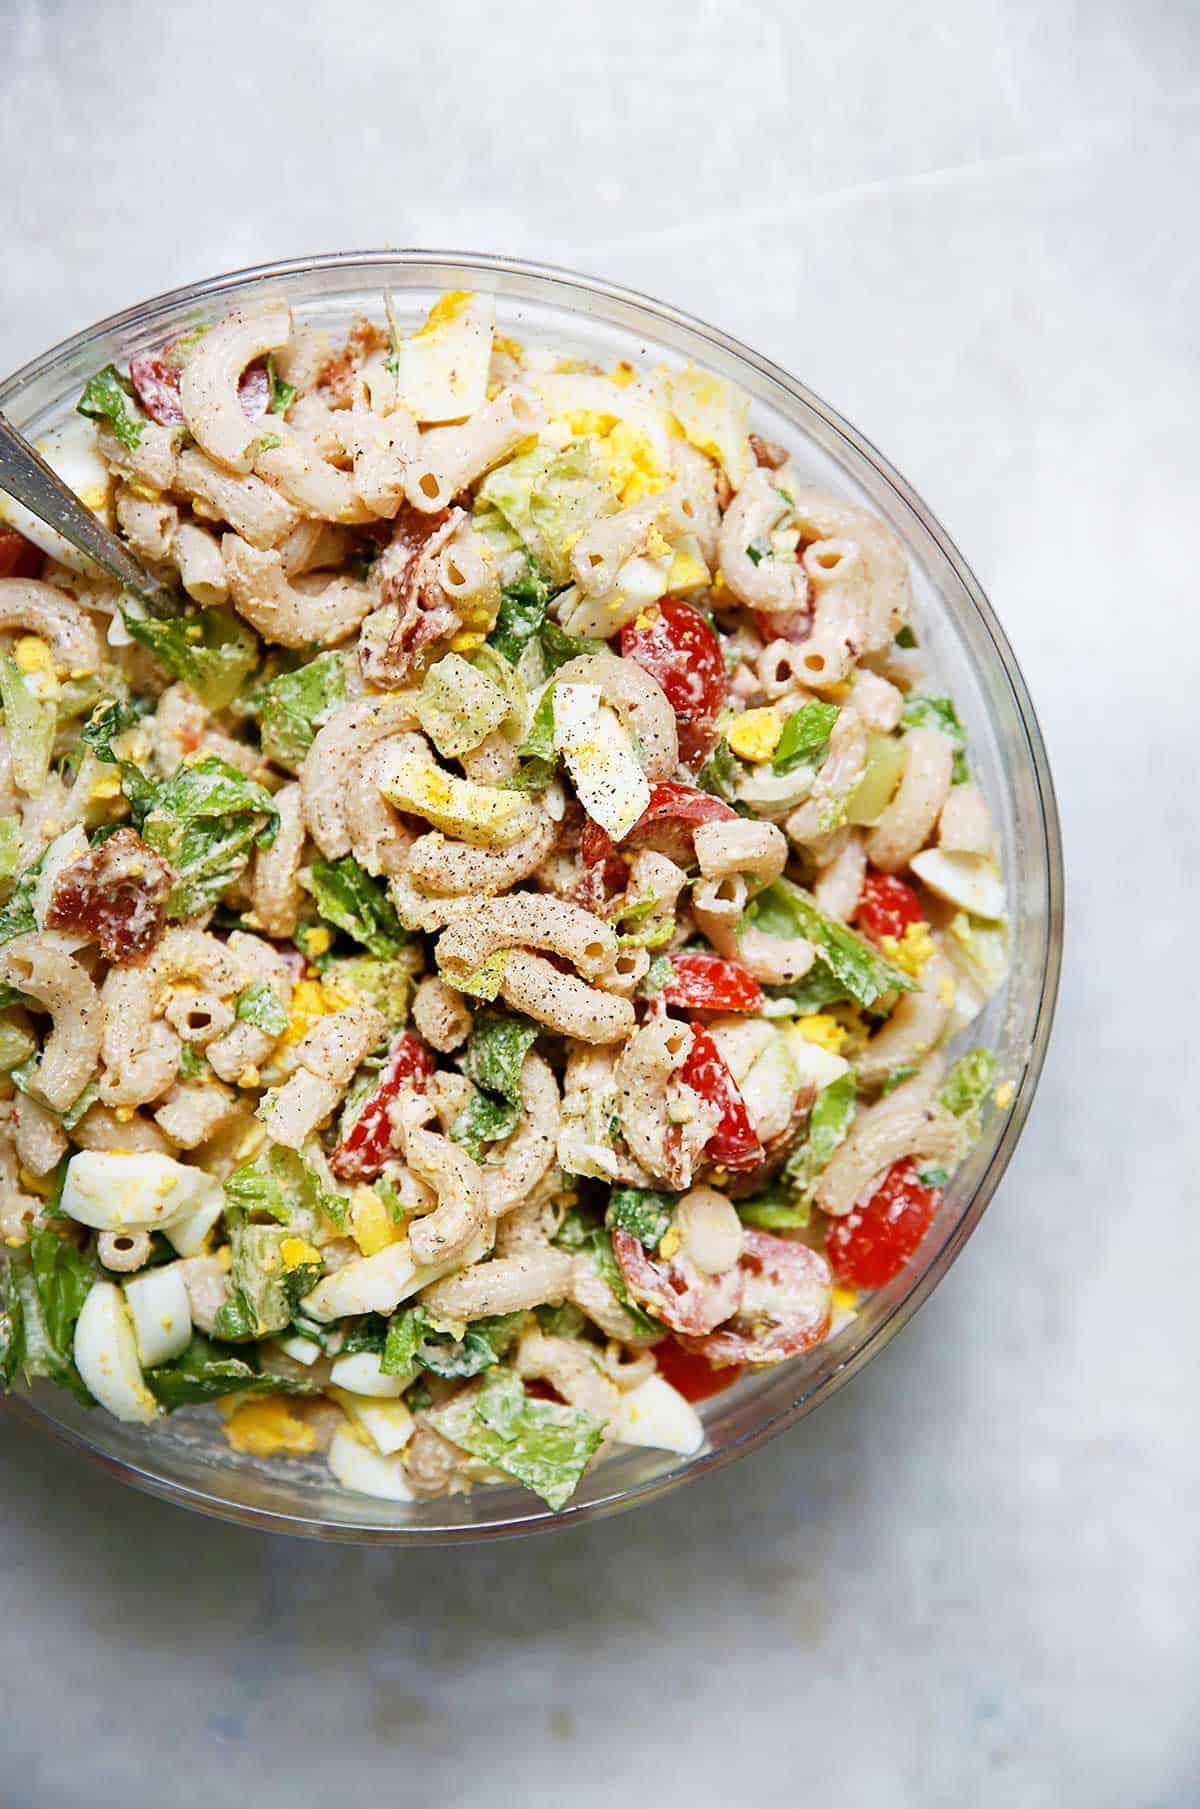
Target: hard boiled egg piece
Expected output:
[359,1373]
[162,1317]
[388,1424]
[70,451]
[969,881]
[379,1283]
[655,1414]
[189,1234]
[106,1355]
[442,371]
[598,753]
[133,1191]
[366,1472]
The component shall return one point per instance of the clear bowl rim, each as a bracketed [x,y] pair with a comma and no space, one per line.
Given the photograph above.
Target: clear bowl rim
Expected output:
[925,1279]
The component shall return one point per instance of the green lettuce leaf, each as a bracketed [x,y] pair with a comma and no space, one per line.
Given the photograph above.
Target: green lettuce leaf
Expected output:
[206,1370]
[261,1005]
[522,611]
[969,1082]
[828,1126]
[459,706]
[279,1182]
[388,985]
[282,394]
[293,706]
[108,396]
[644,1213]
[348,897]
[10,848]
[549,498]
[784,910]
[258,1297]
[721,772]
[31,722]
[212,651]
[413,1341]
[32,1343]
[204,821]
[494,1058]
[63,1277]
[805,737]
[540,1444]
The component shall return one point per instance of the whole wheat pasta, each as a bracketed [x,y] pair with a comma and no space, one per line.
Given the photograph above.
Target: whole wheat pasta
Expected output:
[39,1139]
[666,1144]
[63,988]
[965,823]
[197,556]
[885,1135]
[379,840]
[258,514]
[335,750]
[36,608]
[101,1128]
[767,584]
[572,1369]
[152,464]
[447,459]
[275,883]
[148,525]
[208,389]
[638,700]
[450,869]
[441,1015]
[457,1182]
[194,1111]
[842,866]
[525,1157]
[294,612]
[528,920]
[915,1026]
[906,824]
[740,846]
[505,1284]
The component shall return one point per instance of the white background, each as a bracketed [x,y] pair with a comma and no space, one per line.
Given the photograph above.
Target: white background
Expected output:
[972,1578]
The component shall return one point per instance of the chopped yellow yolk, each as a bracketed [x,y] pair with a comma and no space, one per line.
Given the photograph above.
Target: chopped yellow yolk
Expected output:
[1003,1095]
[108,786]
[296,1251]
[946,991]
[845,1300]
[754,735]
[370,1226]
[687,572]
[622,374]
[670,1244]
[269,1428]
[319,940]
[911,951]
[823,1030]
[444,311]
[31,654]
[39,1184]
[308,1004]
[657,545]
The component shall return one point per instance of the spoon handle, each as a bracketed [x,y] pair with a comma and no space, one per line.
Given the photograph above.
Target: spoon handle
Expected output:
[25,475]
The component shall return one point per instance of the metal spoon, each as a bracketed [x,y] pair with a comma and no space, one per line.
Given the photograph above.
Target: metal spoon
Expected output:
[25,475]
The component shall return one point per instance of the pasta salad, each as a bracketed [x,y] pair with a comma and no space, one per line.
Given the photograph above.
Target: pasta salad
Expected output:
[476,976]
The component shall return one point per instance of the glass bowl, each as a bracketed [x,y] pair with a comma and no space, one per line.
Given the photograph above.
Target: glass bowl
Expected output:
[185,1459]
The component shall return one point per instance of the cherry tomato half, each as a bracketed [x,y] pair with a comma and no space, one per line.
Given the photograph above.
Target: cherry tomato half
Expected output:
[735,1142]
[673,643]
[668,824]
[693,1376]
[677,1292]
[19,558]
[368,1143]
[710,983]
[787,1298]
[872,1243]
[886,906]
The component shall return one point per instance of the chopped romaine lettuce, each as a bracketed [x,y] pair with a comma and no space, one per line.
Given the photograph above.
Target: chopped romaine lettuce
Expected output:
[388,985]
[30,1344]
[458,706]
[521,614]
[542,1445]
[784,910]
[348,897]
[108,396]
[721,772]
[211,650]
[413,1341]
[968,1082]
[805,737]
[495,1056]
[30,721]
[17,917]
[259,1298]
[63,1276]
[828,1125]
[10,848]
[641,1211]
[261,1005]
[17,1045]
[207,1370]
[293,706]
[279,1182]
[549,498]
[282,394]
[204,821]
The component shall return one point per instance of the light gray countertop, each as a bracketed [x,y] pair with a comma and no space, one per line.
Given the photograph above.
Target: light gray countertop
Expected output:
[971,1579]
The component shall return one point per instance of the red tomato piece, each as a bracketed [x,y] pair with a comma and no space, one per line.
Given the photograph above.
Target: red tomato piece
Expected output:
[155,377]
[19,558]
[787,1298]
[668,824]
[710,983]
[734,1143]
[693,1376]
[368,1143]
[872,1243]
[886,906]
[677,1292]
[674,644]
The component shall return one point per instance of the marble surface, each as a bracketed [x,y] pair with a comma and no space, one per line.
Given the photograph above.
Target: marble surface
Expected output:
[971,1579]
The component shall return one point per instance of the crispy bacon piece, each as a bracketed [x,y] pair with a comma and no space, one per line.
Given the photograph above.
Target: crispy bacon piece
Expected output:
[336,376]
[19,558]
[155,377]
[390,646]
[116,893]
[768,453]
